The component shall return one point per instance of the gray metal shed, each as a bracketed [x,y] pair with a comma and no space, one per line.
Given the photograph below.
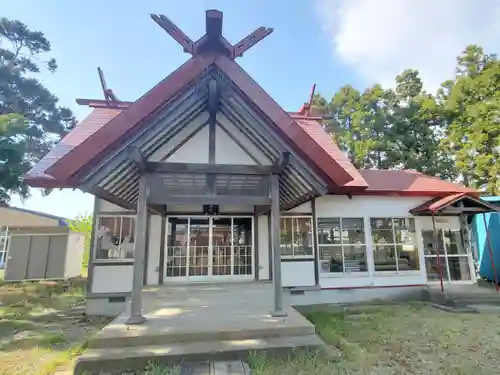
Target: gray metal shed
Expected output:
[36,253]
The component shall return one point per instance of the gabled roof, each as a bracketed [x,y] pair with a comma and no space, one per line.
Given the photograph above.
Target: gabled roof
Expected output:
[112,121]
[70,156]
[38,175]
[439,204]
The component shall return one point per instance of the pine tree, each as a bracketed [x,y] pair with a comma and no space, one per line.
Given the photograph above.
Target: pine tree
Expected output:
[43,121]
[472,103]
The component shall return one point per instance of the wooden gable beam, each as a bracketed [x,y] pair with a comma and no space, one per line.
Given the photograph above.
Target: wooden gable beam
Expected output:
[213,23]
[176,33]
[249,41]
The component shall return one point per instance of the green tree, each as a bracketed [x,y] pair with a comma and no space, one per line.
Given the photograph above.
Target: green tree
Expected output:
[22,57]
[418,121]
[83,224]
[472,104]
[357,123]
[12,148]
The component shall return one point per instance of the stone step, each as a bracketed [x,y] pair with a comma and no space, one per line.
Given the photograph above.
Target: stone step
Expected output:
[132,358]
[140,338]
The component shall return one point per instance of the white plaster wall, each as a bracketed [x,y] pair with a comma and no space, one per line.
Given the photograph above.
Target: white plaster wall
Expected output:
[229,152]
[193,151]
[112,279]
[263,247]
[154,250]
[222,154]
[297,273]
[360,206]
[104,205]
[302,209]
[191,146]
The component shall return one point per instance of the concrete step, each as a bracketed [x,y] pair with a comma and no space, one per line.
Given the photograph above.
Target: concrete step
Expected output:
[132,358]
[159,337]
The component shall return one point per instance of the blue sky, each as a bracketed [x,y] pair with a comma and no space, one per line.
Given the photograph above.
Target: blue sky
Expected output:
[135,54]
[327,42]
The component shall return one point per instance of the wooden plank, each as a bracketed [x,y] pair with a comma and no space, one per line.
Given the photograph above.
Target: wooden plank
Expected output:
[204,168]
[250,40]
[177,34]
[160,198]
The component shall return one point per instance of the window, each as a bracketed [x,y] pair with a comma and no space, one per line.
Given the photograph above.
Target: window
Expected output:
[115,237]
[296,237]
[4,243]
[342,247]
[394,244]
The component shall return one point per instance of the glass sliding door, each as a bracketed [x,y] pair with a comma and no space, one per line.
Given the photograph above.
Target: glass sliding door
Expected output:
[199,247]
[242,246]
[177,248]
[221,247]
[455,260]
[209,248]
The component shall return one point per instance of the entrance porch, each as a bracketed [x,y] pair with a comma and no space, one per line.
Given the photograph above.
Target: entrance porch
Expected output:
[194,322]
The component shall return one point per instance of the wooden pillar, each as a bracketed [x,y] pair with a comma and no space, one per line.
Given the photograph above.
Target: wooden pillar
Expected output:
[276,238]
[438,258]
[315,241]
[136,316]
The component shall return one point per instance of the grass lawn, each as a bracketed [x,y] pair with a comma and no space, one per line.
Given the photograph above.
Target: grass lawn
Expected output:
[398,339]
[42,326]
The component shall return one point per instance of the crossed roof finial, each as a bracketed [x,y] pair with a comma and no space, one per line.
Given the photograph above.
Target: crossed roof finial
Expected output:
[213,40]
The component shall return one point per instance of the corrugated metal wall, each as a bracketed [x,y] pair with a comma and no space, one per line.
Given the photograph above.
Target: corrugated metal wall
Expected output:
[37,256]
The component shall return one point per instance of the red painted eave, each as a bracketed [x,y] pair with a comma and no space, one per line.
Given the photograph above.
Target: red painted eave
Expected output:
[144,107]
[437,204]
[309,138]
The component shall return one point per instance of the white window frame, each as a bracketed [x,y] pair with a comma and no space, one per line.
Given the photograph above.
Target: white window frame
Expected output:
[293,256]
[395,245]
[96,237]
[4,234]
[443,254]
[341,245]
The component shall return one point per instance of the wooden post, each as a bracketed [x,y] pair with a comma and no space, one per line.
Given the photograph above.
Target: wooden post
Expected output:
[136,316]
[490,250]
[436,246]
[276,249]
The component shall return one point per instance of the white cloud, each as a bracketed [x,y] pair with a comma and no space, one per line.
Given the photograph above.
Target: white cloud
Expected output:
[381,38]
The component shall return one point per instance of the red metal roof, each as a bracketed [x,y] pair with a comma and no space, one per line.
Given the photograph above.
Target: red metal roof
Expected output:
[437,204]
[307,135]
[318,134]
[79,157]
[409,182]
[38,175]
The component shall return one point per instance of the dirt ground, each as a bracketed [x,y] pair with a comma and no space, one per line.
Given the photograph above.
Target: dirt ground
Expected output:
[43,326]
